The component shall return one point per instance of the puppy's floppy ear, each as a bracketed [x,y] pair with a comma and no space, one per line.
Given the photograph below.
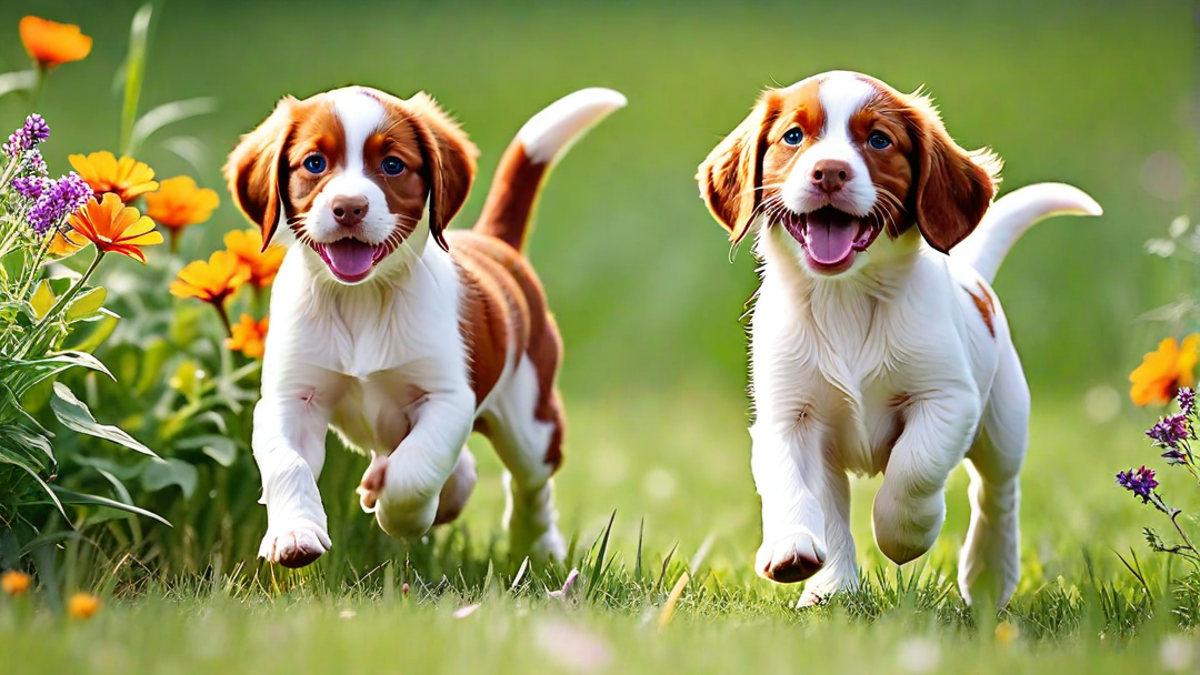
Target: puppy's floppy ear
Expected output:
[450,162]
[257,169]
[731,176]
[954,187]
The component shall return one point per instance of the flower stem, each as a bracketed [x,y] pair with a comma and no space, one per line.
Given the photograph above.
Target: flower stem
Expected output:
[39,330]
[220,307]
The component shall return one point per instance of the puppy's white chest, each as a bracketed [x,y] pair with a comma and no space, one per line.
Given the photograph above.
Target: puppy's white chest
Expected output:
[376,413]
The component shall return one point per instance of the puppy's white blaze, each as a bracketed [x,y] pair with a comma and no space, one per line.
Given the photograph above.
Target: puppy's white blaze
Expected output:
[550,133]
[360,114]
[1013,214]
[841,94]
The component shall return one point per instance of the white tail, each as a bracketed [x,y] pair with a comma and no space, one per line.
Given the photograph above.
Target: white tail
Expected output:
[1011,215]
[551,132]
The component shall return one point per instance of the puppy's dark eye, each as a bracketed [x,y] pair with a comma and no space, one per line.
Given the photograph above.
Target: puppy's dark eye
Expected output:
[879,141]
[793,136]
[392,166]
[314,163]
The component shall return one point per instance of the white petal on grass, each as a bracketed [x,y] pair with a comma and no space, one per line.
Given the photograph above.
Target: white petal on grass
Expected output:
[574,649]
[659,484]
[564,594]
[464,612]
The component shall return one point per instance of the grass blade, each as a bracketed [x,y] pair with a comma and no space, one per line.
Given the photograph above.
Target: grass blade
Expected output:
[598,563]
[135,72]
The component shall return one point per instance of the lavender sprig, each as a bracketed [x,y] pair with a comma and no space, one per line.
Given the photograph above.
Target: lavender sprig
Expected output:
[51,201]
[33,132]
[1141,482]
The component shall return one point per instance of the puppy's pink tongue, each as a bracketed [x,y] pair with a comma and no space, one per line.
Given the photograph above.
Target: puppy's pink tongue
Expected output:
[350,257]
[830,240]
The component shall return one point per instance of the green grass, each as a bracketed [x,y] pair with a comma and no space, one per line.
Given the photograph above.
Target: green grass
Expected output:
[655,373]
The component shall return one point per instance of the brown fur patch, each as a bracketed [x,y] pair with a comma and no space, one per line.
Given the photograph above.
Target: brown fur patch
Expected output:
[512,198]
[498,271]
[986,306]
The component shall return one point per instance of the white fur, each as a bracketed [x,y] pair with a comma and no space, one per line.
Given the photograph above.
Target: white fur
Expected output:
[889,367]
[550,133]
[841,95]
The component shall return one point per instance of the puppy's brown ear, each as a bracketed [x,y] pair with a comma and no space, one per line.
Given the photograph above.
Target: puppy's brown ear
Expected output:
[730,177]
[954,187]
[450,163]
[257,169]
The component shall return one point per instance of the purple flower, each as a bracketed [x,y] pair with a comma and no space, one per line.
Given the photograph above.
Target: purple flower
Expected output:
[27,137]
[54,200]
[1140,482]
[1170,431]
[1174,457]
[1187,400]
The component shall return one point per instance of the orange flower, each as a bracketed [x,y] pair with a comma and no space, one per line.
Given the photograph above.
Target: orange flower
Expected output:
[1164,371]
[179,203]
[112,226]
[211,281]
[127,177]
[51,43]
[14,582]
[247,246]
[249,336]
[83,606]
[64,243]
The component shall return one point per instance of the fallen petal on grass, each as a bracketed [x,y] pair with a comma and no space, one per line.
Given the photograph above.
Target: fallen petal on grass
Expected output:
[464,612]
[1176,653]
[919,655]
[564,594]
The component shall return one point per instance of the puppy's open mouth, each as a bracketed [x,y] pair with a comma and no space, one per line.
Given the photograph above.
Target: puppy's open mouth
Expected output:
[830,237]
[349,259]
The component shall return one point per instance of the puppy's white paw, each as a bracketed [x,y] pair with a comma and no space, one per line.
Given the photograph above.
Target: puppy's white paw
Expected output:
[372,483]
[549,547]
[791,559]
[824,584]
[296,544]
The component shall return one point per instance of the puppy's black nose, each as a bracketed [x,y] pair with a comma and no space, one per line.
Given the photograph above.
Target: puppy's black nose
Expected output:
[349,210]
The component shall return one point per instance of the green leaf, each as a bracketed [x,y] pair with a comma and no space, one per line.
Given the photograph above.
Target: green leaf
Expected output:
[42,299]
[171,471]
[104,323]
[71,497]
[86,304]
[167,114]
[74,415]
[135,71]
[222,449]
[49,491]
[17,80]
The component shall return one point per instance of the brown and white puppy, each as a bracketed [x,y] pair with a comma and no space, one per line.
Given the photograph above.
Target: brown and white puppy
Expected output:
[874,348]
[399,334]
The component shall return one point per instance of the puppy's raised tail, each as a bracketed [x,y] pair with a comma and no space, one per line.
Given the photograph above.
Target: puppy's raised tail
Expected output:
[529,158]
[1011,215]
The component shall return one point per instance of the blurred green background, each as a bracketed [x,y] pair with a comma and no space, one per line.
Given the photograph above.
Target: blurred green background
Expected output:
[1090,92]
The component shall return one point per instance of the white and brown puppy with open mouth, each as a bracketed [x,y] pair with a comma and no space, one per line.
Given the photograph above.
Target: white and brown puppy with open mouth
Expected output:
[399,334]
[877,344]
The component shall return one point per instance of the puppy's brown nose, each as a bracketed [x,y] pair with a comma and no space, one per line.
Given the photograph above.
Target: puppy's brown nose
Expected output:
[348,210]
[830,175]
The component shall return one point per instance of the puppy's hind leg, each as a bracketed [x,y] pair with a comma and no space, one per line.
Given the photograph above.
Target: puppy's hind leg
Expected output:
[989,565]
[527,432]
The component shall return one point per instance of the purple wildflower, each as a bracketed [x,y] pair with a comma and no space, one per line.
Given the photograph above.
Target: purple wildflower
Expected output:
[34,131]
[1170,431]
[1140,482]
[1187,400]
[30,187]
[34,164]
[1174,457]
[56,199]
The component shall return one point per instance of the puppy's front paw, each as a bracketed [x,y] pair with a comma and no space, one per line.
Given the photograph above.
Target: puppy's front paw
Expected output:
[372,483]
[295,544]
[791,559]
